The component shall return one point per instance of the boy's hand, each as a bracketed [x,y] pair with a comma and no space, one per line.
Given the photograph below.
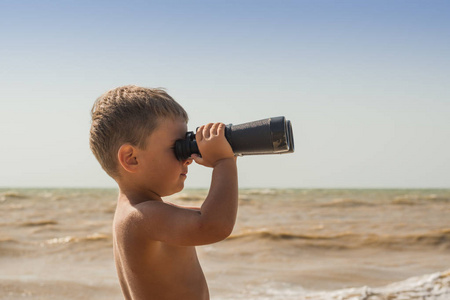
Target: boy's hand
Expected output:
[212,144]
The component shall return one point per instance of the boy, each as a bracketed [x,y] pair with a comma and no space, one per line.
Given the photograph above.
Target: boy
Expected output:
[132,135]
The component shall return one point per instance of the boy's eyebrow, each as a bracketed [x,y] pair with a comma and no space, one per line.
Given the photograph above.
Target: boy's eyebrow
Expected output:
[174,139]
[180,137]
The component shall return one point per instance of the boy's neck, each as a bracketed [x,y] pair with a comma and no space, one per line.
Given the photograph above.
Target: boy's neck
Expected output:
[135,196]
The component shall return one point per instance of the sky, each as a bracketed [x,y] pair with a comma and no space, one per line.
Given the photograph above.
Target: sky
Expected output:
[364,83]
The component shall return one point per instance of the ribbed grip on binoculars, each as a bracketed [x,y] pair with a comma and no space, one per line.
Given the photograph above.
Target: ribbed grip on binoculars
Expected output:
[185,148]
[267,136]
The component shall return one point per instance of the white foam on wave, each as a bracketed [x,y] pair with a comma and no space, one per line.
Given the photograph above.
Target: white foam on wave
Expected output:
[434,286]
[70,239]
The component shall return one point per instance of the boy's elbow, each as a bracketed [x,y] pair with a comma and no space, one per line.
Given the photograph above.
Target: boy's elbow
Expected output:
[222,233]
[218,232]
[226,231]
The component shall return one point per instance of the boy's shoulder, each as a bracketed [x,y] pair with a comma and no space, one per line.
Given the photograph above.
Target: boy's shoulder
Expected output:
[131,219]
[124,218]
[158,221]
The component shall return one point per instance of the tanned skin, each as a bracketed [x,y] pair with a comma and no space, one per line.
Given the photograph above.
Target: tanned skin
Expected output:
[154,241]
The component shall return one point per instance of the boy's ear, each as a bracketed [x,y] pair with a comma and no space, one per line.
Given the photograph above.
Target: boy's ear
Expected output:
[127,158]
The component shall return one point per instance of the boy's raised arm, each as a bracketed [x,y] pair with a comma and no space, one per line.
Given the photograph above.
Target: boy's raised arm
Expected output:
[220,207]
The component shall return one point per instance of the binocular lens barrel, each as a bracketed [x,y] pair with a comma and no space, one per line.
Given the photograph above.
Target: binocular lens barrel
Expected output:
[267,136]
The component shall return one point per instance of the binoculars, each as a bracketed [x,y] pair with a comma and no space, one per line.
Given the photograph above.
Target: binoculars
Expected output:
[267,136]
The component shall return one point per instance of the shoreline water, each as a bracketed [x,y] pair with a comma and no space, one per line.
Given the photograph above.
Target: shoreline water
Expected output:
[287,244]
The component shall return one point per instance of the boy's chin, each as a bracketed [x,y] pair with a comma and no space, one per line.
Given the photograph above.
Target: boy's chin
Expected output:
[180,188]
[174,191]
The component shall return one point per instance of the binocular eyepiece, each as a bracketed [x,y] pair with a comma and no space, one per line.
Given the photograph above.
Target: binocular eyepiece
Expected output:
[267,136]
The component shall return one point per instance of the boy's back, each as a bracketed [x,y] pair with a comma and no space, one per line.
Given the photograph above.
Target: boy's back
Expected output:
[151,269]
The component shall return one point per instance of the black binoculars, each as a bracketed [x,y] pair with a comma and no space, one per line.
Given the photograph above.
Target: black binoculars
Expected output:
[267,136]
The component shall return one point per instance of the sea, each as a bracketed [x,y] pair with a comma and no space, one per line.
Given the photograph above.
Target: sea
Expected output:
[310,244]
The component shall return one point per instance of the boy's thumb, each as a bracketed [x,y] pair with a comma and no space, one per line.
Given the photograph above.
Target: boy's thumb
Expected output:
[197,158]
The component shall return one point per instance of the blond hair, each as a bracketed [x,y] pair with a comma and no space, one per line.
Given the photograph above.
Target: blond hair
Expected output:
[128,115]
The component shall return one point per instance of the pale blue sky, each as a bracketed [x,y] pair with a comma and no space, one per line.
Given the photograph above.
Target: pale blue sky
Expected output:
[365,84]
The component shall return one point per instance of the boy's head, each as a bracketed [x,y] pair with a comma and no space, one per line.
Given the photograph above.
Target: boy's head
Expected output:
[128,115]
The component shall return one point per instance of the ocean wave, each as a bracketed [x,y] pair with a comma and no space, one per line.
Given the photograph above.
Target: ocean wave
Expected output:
[261,191]
[72,239]
[11,195]
[39,223]
[344,202]
[11,247]
[416,199]
[188,197]
[7,239]
[434,286]
[351,239]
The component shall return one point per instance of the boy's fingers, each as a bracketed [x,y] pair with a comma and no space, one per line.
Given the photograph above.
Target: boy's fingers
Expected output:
[207,130]
[197,158]
[220,129]
[199,134]
[215,128]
